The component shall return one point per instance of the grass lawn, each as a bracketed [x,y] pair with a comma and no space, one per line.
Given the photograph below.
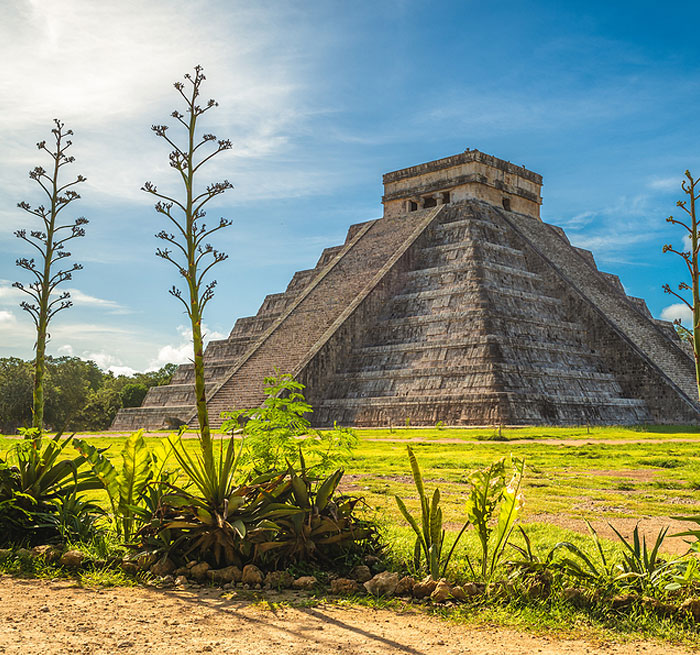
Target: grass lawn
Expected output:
[603,474]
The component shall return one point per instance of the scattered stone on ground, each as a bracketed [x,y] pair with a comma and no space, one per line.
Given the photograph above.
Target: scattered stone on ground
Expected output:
[383,584]
[252,575]
[72,559]
[152,621]
[424,588]
[279,580]
[305,582]
[361,573]
[345,587]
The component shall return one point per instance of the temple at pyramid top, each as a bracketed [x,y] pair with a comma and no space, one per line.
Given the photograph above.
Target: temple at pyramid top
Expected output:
[458,306]
[471,174]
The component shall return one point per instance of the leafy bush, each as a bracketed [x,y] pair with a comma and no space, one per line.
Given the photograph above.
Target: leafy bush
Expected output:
[311,523]
[39,489]
[135,489]
[490,493]
[275,517]
[278,433]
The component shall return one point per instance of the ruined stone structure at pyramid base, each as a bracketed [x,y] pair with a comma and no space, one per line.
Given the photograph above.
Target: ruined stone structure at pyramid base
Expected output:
[459,305]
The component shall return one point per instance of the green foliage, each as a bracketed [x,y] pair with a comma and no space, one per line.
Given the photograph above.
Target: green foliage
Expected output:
[312,523]
[490,493]
[430,535]
[39,492]
[132,395]
[78,394]
[278,434]
[135,488]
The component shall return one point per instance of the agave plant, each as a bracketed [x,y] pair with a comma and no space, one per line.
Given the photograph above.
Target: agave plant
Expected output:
[312,523]
[135,488]
[430,535]
[39,490]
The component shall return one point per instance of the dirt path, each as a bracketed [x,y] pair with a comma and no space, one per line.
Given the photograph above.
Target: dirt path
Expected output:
[52,618]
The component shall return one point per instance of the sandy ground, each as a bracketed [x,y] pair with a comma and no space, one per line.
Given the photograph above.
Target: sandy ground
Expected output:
[51,618]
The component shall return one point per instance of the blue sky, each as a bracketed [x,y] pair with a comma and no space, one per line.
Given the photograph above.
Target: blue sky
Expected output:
[319,99]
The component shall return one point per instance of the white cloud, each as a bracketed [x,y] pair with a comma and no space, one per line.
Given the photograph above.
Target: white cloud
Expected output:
[181,353]
[677,311]
[10,295]
[7,318]
[665,184]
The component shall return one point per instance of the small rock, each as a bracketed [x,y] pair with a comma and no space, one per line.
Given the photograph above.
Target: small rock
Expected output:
[424,588]
[225,575]
[199,571]
[279,579]
[361,573]
[305,582]
[252,575]
[383,584]
[191,563]
[405,586]
[692,607]
[47,552]
[167,580]
[442,591]
[146,561]
[183,570]
[72,559]
[658,606]
[181,581]
[459,594]
[345,587]
[371,560]
[129,567]
[228,585]
[162,567]
[23,553]
[622,600]
[574,596]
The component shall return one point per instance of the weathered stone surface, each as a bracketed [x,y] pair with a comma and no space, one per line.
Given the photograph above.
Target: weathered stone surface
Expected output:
[361,573]
[692,607]
[383,584]
[305,583]
[181,581]
[48,552]
[405,586]
[345,587]
[459,305]
[279,579]
[72,559]
[199,571]
[424,588]
[252,575]
[442,592]
[225,575]
[164,566]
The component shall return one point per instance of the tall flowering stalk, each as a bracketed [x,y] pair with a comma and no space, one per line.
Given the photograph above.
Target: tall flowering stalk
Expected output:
[50,243]
[188,249]
[691,187]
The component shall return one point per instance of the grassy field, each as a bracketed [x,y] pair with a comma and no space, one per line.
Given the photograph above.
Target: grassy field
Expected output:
[612,474]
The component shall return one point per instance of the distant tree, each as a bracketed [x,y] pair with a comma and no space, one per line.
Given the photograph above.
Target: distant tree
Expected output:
[188,249]
[50,241]
[132,394]
[690,257]
[15,394]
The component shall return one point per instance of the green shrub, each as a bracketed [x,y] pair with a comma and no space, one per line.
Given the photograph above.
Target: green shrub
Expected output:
[277,433]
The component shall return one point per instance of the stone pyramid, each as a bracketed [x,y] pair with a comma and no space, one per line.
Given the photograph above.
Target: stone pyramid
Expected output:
[458,305]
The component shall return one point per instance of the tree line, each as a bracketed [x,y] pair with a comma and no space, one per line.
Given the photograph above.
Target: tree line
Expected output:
[79,395]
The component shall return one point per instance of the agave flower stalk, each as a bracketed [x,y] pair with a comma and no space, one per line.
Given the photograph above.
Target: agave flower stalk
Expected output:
[50,242]
[188,249]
